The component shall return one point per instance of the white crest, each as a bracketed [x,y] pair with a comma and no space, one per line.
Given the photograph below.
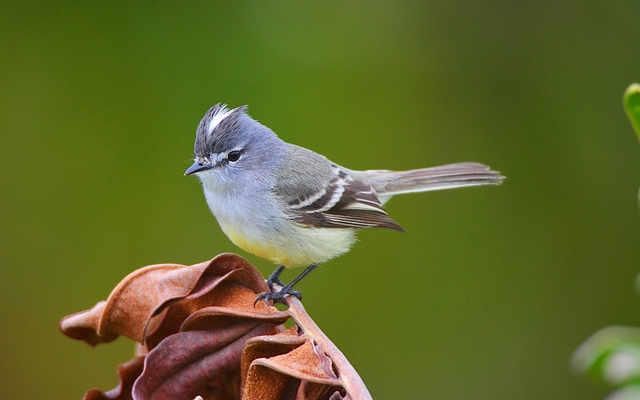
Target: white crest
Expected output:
[217,118]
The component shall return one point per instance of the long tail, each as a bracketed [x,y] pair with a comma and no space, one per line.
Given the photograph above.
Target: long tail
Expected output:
[389,183]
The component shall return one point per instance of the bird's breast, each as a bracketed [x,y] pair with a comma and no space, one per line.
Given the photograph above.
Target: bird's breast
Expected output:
[262,228]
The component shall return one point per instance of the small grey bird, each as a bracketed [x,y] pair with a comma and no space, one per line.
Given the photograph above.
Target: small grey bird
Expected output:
[292,206]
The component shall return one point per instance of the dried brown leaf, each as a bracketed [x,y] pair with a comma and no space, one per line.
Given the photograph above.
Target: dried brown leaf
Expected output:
[183,365]
[203,336]
[81,326]
[286,361]
[128,373]
[146,292]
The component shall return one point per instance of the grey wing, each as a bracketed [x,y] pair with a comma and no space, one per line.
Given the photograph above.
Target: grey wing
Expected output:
[344,203]
[330,197]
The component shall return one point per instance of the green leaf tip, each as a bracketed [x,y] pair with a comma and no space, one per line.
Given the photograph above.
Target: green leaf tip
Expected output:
[631,103]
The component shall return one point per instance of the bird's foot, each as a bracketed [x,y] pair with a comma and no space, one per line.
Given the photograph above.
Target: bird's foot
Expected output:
[279,296]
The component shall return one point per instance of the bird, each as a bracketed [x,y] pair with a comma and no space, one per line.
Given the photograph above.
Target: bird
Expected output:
[292,206]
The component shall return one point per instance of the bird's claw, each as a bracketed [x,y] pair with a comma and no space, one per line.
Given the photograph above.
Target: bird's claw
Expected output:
[279,296]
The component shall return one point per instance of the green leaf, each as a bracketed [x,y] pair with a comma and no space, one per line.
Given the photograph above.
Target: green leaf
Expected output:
[632,106]
[611,355]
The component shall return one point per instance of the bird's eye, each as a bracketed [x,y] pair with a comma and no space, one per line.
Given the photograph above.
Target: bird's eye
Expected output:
[234,155]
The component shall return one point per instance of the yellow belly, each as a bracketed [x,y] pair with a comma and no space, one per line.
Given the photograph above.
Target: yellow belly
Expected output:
[259,248]
[301,247]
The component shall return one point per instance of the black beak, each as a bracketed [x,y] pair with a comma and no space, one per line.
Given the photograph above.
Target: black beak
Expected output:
[197,167]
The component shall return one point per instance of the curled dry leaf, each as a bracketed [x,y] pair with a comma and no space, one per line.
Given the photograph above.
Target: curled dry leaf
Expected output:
[199,334]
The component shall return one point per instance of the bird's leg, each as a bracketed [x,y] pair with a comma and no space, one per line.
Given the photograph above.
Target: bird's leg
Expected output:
[278,297]
[275,277]
[299,278]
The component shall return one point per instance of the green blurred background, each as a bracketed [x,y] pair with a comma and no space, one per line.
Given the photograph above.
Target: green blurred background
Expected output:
[488,293]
